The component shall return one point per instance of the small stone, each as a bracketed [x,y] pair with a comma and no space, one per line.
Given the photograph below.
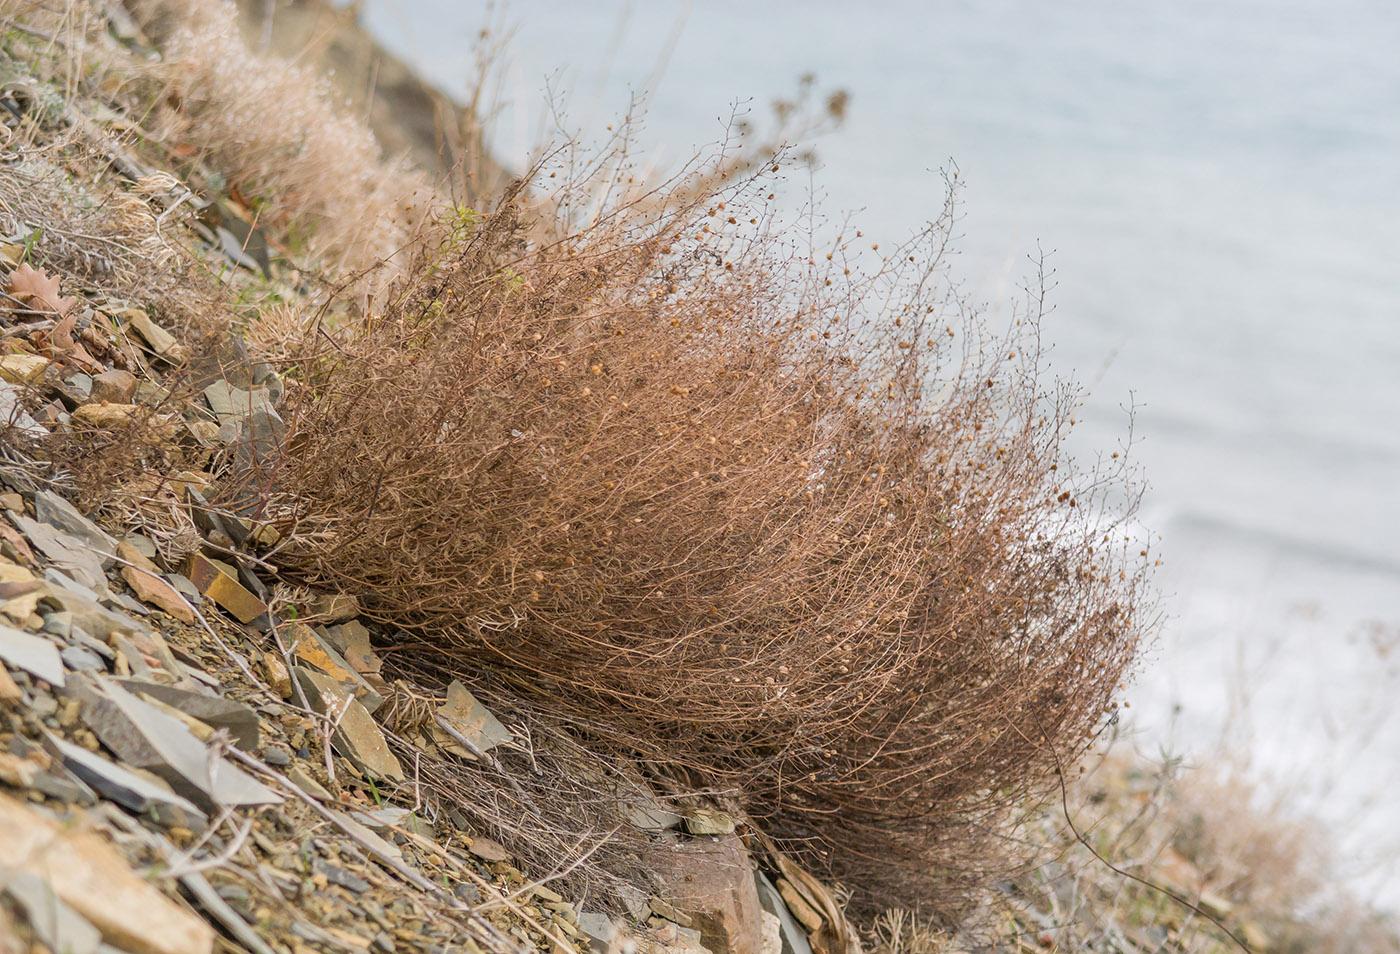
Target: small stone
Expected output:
[600,931]
[10,694]
[161,341]
[34,654]
[146,582]
[21,590]
[669,913]
[77,558]
[333,607]
[338,875]
[352,639]
[82,659]
[22,368]
[55,511]
[42,704]
[242,723]
[204,432]
[223,589]
[113,417]
[12,502]
[707,821]
[276,672]
[59,624]
[473,720]
[488,850]
[230,403]
[185,588]
[125,602]
[144,546]
[466,892]
[75,389]
[303,780]
[16,771]
[113,387]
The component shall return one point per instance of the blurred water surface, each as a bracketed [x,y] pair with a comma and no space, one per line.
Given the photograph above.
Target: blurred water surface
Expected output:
[1219,181]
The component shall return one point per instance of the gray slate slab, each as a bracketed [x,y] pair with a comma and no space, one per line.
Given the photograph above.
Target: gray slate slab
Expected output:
[140,734]
[34,654]
[137,792]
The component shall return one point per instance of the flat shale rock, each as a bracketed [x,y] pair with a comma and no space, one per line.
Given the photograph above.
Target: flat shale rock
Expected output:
[86,874]
[146,795]
[223,588]
[469,717]
[141,735]
[241,721]
[34,654]
[357,737]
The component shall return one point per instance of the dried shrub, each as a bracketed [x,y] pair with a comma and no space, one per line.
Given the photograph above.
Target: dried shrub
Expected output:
[720,505]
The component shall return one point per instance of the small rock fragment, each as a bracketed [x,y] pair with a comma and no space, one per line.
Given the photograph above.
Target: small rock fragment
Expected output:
[276,672]
[22,368]
[230,403]
[352,639]
[469,717]
[113,387]
[304,780]
[112,417]
[333,607]
[161,341]
[338,875]
[16,771]
[241,722]
[223,588]
[75,556]
[707,821]
[34,654]
[55,511]
[82,659]
[10,694]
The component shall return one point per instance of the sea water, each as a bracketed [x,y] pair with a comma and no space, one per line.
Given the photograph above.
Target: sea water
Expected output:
[1217,184]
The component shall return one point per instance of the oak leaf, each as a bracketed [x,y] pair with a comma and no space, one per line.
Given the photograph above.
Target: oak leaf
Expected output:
[36,290]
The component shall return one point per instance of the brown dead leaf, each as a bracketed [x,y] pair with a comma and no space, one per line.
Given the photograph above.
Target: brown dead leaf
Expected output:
[36,290]
[65,348]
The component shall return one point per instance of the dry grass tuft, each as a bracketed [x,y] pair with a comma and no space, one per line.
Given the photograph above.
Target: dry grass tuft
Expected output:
[267,126]
[1205,834]
[808,537]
